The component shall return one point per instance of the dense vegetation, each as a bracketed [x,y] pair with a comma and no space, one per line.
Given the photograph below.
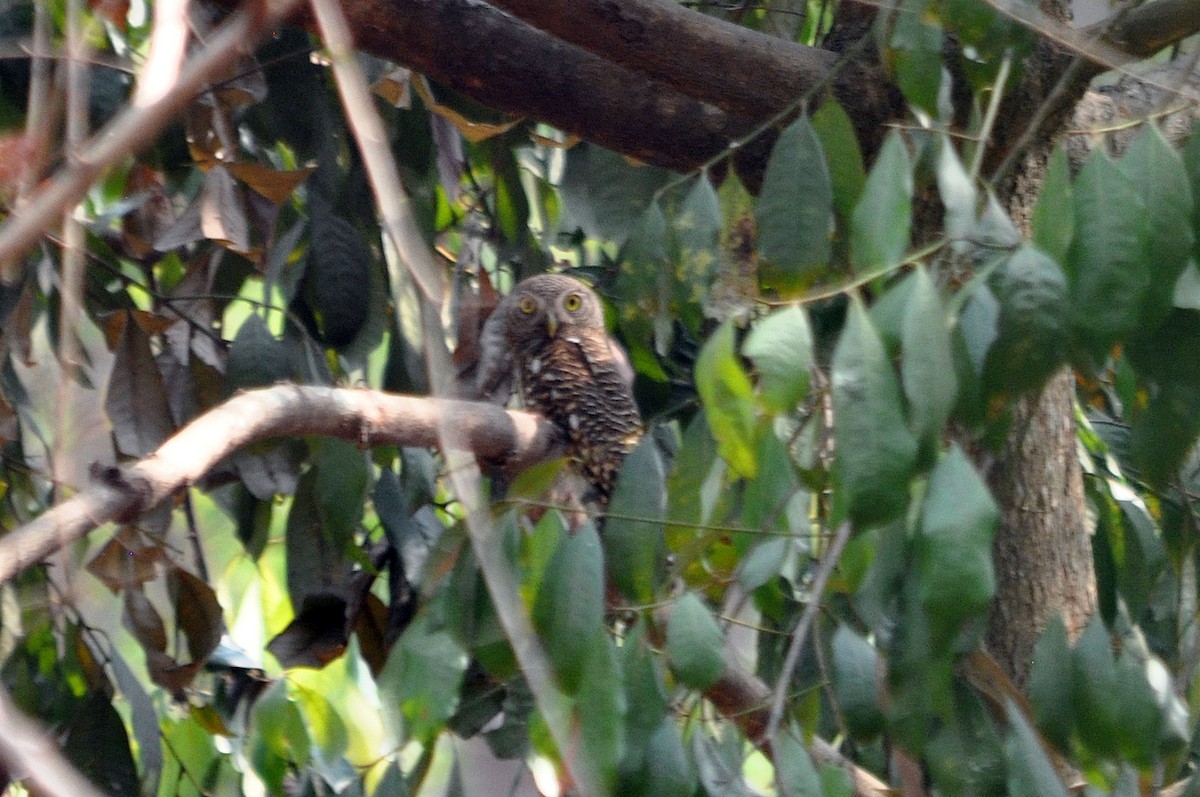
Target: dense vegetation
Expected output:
[836,339]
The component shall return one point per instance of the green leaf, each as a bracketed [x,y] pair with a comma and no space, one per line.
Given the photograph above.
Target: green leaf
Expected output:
[341,489]
[423,676]
[728,398]
[845,162]
[1031,329]
[256,357]
[1030,772]
[569,608]
[958,194]
[1140,712]
[1157,171]
[916,54]
[633,531]
[780,346]
[927,369]
[794,771]
[695,646]
[953,547]
[325,726]
[794,210]
[1191,163]
[600,706]
[1108,266]
[95,741]
[1053,220]
[882,219]
[1050,683]
[697,224]
[277,738]
[856,678]
[1094,682]
[876,450]
[606,195]
[315,565]
[668,771]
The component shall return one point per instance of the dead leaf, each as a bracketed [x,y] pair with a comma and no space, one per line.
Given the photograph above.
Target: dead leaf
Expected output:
[276,186]
[136,401]
[126,561]
[223,210]
[144,622]
[316,636]
[197,613]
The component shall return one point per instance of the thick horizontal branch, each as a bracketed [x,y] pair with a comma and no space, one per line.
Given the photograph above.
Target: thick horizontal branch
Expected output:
[367,417]
[737,69]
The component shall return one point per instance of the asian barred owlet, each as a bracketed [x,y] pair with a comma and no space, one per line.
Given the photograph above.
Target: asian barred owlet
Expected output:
[549,334]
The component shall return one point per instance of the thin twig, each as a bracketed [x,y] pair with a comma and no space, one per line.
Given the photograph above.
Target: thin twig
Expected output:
[132,130]
[816,592]
[401,227]
[31,755]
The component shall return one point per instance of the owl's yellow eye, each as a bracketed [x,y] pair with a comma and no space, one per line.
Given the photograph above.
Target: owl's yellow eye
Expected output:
[527,305]
[573,302]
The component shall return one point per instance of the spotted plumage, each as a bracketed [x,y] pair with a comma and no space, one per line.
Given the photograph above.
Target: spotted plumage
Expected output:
[549,334]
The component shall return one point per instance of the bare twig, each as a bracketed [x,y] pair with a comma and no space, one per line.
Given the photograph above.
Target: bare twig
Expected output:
[816,592]
[401,227]
[32,755]
[133,129]
[515,439]
[168,47]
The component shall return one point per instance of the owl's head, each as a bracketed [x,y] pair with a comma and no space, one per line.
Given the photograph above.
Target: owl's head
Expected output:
[548,305]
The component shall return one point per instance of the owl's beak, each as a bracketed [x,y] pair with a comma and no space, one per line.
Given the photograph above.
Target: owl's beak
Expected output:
[551,325]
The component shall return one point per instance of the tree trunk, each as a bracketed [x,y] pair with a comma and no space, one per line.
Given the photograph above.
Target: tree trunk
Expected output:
[1042,552]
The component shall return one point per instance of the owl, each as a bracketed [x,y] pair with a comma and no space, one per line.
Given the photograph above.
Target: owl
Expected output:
[549,336]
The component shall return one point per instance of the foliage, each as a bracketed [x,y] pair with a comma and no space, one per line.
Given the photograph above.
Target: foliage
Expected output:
[312,618]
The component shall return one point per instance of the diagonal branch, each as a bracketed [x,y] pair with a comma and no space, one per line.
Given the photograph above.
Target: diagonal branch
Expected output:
[514,439]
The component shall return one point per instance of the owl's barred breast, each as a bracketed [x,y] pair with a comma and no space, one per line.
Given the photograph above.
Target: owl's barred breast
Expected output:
[572,382]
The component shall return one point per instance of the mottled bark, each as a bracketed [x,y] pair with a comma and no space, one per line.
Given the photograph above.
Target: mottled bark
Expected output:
[1043,554]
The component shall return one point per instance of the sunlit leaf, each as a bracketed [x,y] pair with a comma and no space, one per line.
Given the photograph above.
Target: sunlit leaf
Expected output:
[780,346]
[728,398]
[423,675]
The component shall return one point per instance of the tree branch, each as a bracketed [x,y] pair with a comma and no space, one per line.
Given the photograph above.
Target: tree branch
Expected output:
[737,69]
[515,439]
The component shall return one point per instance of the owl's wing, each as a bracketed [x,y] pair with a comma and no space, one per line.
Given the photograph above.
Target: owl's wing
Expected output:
[493,373]
[611,354]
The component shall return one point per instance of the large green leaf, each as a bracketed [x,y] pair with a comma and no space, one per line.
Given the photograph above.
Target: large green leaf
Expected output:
[1031,325]
[780,346]
[1053,220]
[794,210]
[876,450]
[846,171]
[856,679]
[423,676]
[882,220]
[1097,712]
[916,54]
[1050,683]
[927,369]
[795,774]
[600,705]
[606,195]
[633,531]
[1030,771]
[1158,173]
[695,645]
[569,608]
[953,547]
[958,194]
[1108,260]
[728,397]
